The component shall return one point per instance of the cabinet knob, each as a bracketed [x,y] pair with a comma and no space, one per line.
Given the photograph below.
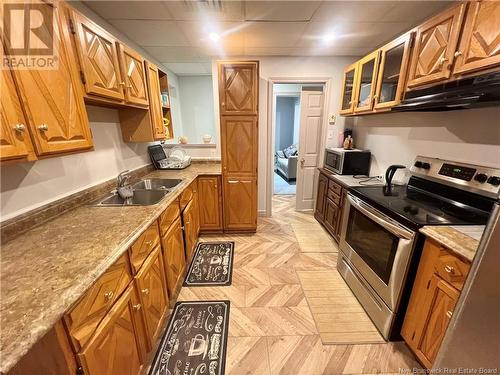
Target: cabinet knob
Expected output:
[442,60]
[449,314]
[20,128]
[458,53]
[137,307]
[43,127]
[108,296]
[145,291]
[149,243]
[122,83]
[449,269]
[215,186]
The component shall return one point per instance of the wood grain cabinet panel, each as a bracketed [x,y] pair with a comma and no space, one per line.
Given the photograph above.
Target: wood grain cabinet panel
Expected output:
[152,288]
[366,82]
[238,88]
[15,142]
[480,42]
[435,44]
[173,255]
[168,217]
[348,86]
[98,56]
[189,224]
[155,103]
[143,246]
[53,100]
[210,203]
[239,143]
[84,317]
[331,215]
[133,75]
[240,204]
[116,347]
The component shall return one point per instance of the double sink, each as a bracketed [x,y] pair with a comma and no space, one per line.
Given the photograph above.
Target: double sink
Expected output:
[146,192]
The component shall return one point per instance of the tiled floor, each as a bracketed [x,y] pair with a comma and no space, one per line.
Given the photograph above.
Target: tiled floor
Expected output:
[272,327]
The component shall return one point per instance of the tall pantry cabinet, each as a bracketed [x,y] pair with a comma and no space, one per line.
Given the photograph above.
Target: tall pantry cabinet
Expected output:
[238,102]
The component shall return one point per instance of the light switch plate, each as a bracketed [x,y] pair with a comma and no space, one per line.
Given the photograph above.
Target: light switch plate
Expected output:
[332,119]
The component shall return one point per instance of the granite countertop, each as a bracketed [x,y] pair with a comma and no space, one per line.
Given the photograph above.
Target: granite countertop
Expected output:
[351,181]
[463,239]
[46,270]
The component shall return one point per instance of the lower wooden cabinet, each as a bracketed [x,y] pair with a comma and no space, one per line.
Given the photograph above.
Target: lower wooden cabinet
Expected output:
[190,234]
[331,216]
[433,300]
[173,255]
[240,204]
[210,203]
[319,212]
[117,347]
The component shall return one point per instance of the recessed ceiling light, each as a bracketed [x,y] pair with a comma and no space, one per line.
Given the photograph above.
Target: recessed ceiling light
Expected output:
[214,36]
[327,38]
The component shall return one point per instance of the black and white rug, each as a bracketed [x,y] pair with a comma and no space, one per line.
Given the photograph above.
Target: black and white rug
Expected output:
[195,341]
[212,265]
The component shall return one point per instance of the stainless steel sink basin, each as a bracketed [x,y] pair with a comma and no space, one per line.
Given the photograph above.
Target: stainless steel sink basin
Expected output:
[157,184]
[140,198]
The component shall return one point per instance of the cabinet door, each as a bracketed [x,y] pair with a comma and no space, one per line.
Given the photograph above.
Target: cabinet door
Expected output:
[210,207]
[153,295]
[331,215]
[439,304]
[365,84]
[98,59]
[392,72]
[435,44]
[319,213]
[116,348]
[134,76]
[173,255]
[240,204]
[53,101]
[189,224]
[15,142]
[350,76]
[239,142]
[480,42]
[155,103]
[238,88]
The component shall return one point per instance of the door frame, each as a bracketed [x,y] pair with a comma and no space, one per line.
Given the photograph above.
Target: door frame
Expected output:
[326,81]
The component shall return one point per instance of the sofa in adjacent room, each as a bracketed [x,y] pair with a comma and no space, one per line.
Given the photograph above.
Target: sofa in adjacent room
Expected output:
[286,162]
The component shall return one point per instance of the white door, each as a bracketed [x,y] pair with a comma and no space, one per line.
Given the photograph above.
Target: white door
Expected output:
[311,119]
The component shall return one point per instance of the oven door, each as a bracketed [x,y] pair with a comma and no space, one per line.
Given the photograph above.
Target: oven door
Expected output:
[334,161]
[378,247]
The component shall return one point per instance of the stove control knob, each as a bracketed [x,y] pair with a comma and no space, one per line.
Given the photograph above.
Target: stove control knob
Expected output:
[418,164]
[481,177]
[426,166]
[494,180]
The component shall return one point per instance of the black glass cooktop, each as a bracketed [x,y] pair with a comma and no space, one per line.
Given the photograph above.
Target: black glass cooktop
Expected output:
[426,203]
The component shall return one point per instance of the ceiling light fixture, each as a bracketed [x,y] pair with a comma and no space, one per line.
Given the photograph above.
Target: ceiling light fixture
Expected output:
[327,38]
[214,36]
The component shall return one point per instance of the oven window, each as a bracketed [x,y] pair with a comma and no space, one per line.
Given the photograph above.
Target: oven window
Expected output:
[372,242]
[332,160]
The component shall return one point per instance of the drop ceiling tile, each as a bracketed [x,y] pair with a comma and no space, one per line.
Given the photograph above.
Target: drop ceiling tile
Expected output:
[231,33]
[329,51]
[152,33]
[202,10]
[186,68]
[280,10]
[352,11]
[273,34]
[220,51]
[414,12]
[136,10]
[268,51]
[173,53]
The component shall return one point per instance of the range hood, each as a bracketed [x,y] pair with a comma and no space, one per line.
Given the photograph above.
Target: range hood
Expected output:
[480,91]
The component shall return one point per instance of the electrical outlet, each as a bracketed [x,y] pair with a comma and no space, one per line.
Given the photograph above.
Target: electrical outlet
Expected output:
[330,134]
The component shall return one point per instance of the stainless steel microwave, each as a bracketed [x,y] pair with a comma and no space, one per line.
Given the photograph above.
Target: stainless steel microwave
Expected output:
[350,162]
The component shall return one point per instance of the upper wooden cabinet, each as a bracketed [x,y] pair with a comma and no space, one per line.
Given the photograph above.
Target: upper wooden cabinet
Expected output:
[155,103]
[98,56]
[365,84]
[435,45]
[15,142]
[392,72]
[348,86]
[133,75]
[210,203]
[480,43]
[239,145]
[238,88]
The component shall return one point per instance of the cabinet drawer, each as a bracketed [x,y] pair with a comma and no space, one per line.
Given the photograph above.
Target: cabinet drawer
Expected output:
[334,197]
[451,268]
[143,246]
[169,216]
[336,188]
[84,317]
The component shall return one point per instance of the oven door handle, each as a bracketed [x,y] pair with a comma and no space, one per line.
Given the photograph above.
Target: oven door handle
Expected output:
[389,224]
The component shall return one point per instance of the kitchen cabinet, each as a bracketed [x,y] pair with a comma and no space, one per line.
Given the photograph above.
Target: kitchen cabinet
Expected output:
[366,82]
[210,203]
[152,287]
[391,80]
[133,75]
[117,347]
[348,85]
[238,88]
[240,204]
[174,255]
[190,236]
[15,141]
[143,246]
[480,42]
[440,277]
[155,103]
[169,216]
[319,212]
[435,45]
[331,215]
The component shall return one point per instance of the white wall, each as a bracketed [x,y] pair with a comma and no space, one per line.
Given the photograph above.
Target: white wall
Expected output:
[470,136]
[285,121]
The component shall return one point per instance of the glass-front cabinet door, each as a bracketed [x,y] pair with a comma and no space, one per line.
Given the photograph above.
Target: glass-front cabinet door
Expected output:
[347,105]
[367,78]
[391,74]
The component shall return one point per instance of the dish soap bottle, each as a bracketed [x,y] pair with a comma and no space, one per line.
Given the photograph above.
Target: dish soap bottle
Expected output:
[348,143]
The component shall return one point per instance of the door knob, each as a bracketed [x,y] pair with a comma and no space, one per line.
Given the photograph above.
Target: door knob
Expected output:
[20,128]
[43,127]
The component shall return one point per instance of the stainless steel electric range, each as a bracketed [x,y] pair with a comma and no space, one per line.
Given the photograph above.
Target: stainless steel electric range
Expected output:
[380,243]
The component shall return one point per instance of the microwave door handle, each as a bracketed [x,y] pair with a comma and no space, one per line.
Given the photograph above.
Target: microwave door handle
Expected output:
[392,227]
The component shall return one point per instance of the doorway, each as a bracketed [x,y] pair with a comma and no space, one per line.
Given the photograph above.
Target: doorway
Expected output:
[295,139]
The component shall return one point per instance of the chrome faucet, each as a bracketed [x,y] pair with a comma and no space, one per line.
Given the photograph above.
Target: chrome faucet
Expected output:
[122,179]
[123,189]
